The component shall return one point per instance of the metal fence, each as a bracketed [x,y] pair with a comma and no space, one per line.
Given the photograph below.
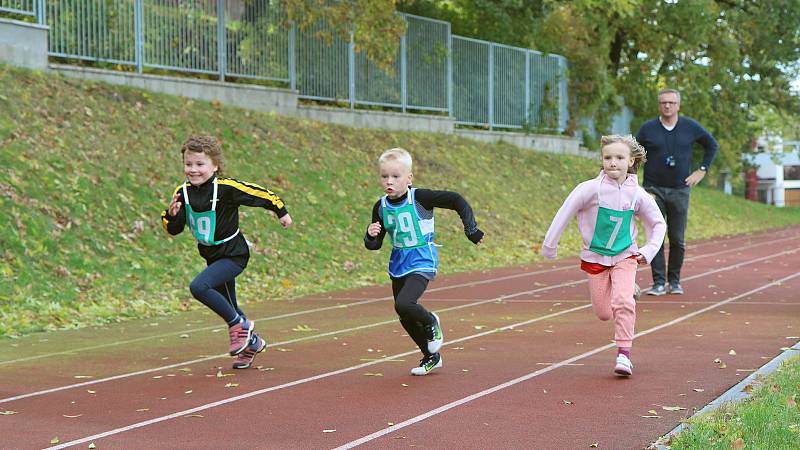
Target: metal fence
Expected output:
[477,82]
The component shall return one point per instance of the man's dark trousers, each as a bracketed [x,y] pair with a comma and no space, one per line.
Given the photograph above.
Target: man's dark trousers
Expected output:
[674,205]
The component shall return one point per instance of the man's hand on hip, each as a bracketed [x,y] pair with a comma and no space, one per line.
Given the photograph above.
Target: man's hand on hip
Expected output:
[695,177]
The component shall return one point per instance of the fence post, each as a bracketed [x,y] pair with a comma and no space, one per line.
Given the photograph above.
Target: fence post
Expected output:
[138,35]
[351,72]
[563,102]
[450,112]
[403,73]
[221,54]
[291,56]
[41,15]
[527,87]
[490,94]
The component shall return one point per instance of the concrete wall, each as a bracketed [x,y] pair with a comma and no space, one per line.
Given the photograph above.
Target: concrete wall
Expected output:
[23,44]
[378,119]
[259,98]
[541,142]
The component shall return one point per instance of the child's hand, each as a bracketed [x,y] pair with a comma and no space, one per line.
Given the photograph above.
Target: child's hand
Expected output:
[374,229]
[286,221]
[174,206]
[641,260]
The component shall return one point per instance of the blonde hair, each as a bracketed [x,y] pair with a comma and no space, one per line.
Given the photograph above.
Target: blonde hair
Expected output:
[208,145]
[397,154]
[638,153]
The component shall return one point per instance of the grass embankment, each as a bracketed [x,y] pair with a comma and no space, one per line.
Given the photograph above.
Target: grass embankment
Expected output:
[88,167]
[769,418]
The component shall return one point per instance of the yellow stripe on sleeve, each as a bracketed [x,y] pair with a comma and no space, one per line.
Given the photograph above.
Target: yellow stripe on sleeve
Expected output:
[254,190]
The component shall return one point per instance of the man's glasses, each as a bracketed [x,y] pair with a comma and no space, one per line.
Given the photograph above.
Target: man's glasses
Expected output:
[667,103]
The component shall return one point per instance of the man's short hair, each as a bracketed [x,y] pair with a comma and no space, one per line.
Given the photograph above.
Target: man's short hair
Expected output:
[670,91]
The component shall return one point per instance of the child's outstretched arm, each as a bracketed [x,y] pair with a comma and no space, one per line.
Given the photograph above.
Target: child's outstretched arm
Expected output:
[251,194]
[373,239]
[574,202]
[173,219]
[654,225]
[452,200]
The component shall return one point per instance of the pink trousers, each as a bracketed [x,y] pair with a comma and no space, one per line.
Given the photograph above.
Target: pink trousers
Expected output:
[611,292]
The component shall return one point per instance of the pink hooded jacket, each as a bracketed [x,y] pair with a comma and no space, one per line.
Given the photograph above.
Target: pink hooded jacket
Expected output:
[582,202]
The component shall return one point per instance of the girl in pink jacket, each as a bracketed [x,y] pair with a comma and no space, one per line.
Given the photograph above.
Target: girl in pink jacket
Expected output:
[604,207]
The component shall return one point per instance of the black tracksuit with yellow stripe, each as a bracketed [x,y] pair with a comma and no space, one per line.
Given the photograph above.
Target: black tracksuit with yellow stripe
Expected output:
[231,194]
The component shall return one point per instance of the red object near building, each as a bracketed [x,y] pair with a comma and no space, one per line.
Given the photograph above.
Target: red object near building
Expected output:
[751,185]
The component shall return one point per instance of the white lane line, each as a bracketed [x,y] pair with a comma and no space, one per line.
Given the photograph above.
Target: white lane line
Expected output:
[400,355]
[362,327]
[565,362]
[363,302]
[282,316]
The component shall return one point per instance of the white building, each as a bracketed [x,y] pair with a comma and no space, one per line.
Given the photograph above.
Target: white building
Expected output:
[778,173]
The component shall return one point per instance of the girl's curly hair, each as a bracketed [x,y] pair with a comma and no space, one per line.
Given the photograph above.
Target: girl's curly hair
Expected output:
[638,153]
[209,145]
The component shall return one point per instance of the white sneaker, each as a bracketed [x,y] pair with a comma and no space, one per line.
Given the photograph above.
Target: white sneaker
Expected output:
[435,335]
[624,366]
[427,364]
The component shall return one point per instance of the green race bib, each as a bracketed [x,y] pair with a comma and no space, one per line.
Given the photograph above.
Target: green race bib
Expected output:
[204,224]
[612,229]
[402,226]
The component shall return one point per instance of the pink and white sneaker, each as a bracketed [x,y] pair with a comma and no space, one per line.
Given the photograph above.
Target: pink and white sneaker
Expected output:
[624,366]
[240,336]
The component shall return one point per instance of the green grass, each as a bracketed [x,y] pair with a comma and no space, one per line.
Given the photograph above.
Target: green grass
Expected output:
[769,419]
[88,167]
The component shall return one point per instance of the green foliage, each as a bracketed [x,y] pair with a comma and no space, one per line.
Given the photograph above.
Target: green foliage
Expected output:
[88,168]
[770,418]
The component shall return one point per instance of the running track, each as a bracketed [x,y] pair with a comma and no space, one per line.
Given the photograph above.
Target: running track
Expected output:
[526,364]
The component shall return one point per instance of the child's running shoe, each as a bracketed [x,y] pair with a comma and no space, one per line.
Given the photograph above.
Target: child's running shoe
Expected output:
[435,336]
[426,364]
[624,366]
[637,292]
[245,358]
[240,336]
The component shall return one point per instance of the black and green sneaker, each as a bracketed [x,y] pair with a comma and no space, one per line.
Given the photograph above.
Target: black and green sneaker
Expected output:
[428,363]
[435,336]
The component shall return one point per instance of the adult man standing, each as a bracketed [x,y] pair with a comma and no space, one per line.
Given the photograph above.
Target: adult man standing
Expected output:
[668,177]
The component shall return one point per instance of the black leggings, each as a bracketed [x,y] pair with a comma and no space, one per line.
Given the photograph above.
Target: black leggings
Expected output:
[413,316]
[216,288]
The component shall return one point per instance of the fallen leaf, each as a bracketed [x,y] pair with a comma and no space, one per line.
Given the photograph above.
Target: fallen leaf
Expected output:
[738,444]
[195,415]
[7,413]
[91,391]
[791,403]
[304,328]
[717,361]
[232,385]
[404,385]
[567,402]
[158,376]
[698,390]
[775,388]
[288,349]
[465,370]
[723,366]
[370,374]
[329,431]
[55,440]
[143,409]
[72,417]
[732,352]
[593,445]
[184,336]
[185,369]
[479,327]
[390,423]
[673,408]
[188,392]
[91,445]
[82,376]
[748,389]
[651,417]
[652,411]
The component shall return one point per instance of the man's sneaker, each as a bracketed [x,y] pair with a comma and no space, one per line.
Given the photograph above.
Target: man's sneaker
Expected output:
[435,336]
[637,292]
[427,364]
[245,358]
[624,366]
[675,288]
[240,336]
[657,289]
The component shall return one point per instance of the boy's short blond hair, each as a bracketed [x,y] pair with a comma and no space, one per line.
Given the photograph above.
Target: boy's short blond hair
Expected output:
[638,153]
[397,154]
